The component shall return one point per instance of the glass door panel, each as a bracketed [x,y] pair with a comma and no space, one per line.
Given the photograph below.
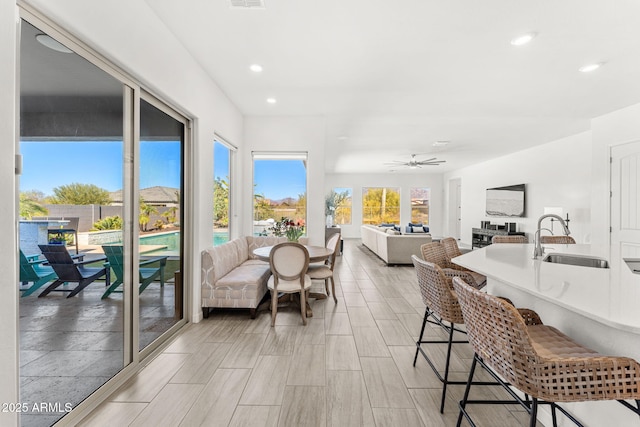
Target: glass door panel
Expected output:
[71,141]
[160,219]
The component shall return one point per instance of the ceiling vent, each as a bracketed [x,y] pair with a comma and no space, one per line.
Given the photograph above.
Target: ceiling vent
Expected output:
[247,4]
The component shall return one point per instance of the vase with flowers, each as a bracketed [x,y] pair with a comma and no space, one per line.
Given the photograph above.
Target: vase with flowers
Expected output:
[288,228]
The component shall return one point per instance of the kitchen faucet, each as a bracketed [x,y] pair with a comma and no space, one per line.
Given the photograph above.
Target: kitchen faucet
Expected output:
[539,251]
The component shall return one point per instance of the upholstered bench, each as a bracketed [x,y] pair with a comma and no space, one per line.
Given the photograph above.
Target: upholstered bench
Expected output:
[232,277]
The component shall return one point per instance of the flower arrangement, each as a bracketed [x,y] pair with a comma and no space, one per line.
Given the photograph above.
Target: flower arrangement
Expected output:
[293,230]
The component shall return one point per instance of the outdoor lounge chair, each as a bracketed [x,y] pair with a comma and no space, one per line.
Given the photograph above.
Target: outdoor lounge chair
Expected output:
[147,274]
[69,270]
[32,270]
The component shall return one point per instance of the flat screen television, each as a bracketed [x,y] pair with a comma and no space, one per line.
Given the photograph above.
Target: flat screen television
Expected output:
[506,201]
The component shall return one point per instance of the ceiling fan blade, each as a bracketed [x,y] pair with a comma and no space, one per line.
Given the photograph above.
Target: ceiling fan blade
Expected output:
[395,162]
[426,160]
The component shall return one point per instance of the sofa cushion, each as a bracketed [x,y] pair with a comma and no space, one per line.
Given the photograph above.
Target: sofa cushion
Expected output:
[254,242]
[393,232]
[244,286]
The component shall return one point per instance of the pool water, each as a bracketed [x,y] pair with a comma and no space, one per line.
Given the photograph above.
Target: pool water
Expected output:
[172,240]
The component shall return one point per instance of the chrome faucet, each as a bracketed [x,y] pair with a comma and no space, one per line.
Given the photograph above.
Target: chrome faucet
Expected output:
[539,250]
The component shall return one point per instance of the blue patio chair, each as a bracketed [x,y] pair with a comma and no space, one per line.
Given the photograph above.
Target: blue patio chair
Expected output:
[32,270]
[115,261]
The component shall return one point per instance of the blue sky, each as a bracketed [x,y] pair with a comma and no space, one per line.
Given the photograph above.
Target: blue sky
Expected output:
[276,179]
[50,164]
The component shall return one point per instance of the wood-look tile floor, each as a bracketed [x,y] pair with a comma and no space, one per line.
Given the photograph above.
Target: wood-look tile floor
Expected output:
[351,365]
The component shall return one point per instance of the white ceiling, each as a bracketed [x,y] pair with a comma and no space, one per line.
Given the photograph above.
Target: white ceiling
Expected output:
[393,77]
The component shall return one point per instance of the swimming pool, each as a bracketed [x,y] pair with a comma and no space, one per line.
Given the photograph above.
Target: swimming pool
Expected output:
[172,240]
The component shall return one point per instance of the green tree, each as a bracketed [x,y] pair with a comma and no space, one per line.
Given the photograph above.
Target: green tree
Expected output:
[338,204]
[31,204]
[261,208]
[108,223]
[301,206]
[80,194]
[145,214]
[381,205]
[171,214]
[221,202]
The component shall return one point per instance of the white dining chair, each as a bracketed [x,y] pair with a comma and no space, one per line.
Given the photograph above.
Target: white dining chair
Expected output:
[289,262]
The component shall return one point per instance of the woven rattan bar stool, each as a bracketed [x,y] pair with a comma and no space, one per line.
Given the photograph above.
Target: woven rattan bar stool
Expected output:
[540,361]
[452,250]
[509,239]
[557,240]
[441,305]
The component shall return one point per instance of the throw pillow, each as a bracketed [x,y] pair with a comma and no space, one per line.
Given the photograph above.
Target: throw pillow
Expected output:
[417,229]
[418,224]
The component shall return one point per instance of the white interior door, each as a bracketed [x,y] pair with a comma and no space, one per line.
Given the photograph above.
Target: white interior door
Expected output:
[625,200]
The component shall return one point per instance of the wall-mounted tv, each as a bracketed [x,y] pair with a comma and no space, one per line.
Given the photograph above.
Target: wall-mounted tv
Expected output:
[506,201]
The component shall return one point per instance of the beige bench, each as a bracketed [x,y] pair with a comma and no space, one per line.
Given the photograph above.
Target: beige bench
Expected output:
[232,277]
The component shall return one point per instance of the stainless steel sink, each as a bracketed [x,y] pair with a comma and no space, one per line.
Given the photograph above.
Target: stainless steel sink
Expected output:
[579,260]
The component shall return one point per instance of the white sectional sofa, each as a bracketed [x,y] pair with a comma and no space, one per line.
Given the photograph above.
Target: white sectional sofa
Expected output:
[390,247]
[232,277]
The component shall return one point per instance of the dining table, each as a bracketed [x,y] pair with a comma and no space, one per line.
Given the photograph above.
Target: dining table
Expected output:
[316,254]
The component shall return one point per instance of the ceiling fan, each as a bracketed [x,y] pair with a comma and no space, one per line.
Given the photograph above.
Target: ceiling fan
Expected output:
[414,163]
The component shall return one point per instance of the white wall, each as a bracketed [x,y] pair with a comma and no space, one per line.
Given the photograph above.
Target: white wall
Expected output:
[556,174]
[611,129]
[8,261]
[288,134]
[405,182]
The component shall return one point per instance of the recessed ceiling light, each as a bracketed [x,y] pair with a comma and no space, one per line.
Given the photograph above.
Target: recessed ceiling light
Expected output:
[441,143]
[590,67]
[256,68]
[271,100]
[51,43]
[523,39]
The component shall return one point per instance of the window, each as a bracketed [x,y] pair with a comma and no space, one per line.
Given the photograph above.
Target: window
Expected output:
[380,205]
[338,204]
[221,192]
[279,189]
[420,205]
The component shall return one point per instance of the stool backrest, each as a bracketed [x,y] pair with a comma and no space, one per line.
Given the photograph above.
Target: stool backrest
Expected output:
[437,293]
[498,334]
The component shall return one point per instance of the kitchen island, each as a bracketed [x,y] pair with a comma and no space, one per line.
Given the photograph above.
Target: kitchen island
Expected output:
[598,307]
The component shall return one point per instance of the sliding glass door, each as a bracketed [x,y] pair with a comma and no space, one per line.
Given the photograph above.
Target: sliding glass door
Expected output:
[103,183]
[161,218]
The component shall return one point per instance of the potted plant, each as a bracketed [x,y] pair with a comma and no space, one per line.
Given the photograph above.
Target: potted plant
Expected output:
[288,228]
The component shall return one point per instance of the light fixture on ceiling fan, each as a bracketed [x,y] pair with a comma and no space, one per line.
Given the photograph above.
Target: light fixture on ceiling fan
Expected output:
[414,163]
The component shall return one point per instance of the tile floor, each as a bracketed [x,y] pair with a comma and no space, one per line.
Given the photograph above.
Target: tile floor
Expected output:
[69,347]
[350,366]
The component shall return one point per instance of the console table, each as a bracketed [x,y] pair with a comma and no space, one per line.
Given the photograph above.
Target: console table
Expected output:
[481,237]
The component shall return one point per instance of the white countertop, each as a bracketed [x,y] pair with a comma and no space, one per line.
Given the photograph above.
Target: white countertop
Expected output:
[610,296]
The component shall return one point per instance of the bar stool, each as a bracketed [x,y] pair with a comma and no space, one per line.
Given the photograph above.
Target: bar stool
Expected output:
[557,240]
[452,250]
[540,361]
[509,239]
[442,306]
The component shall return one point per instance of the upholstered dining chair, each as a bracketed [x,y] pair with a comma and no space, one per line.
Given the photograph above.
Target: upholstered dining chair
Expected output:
[325,271]
[289,262]
[452,250]
[509,239]
[539,360]
[557,240]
